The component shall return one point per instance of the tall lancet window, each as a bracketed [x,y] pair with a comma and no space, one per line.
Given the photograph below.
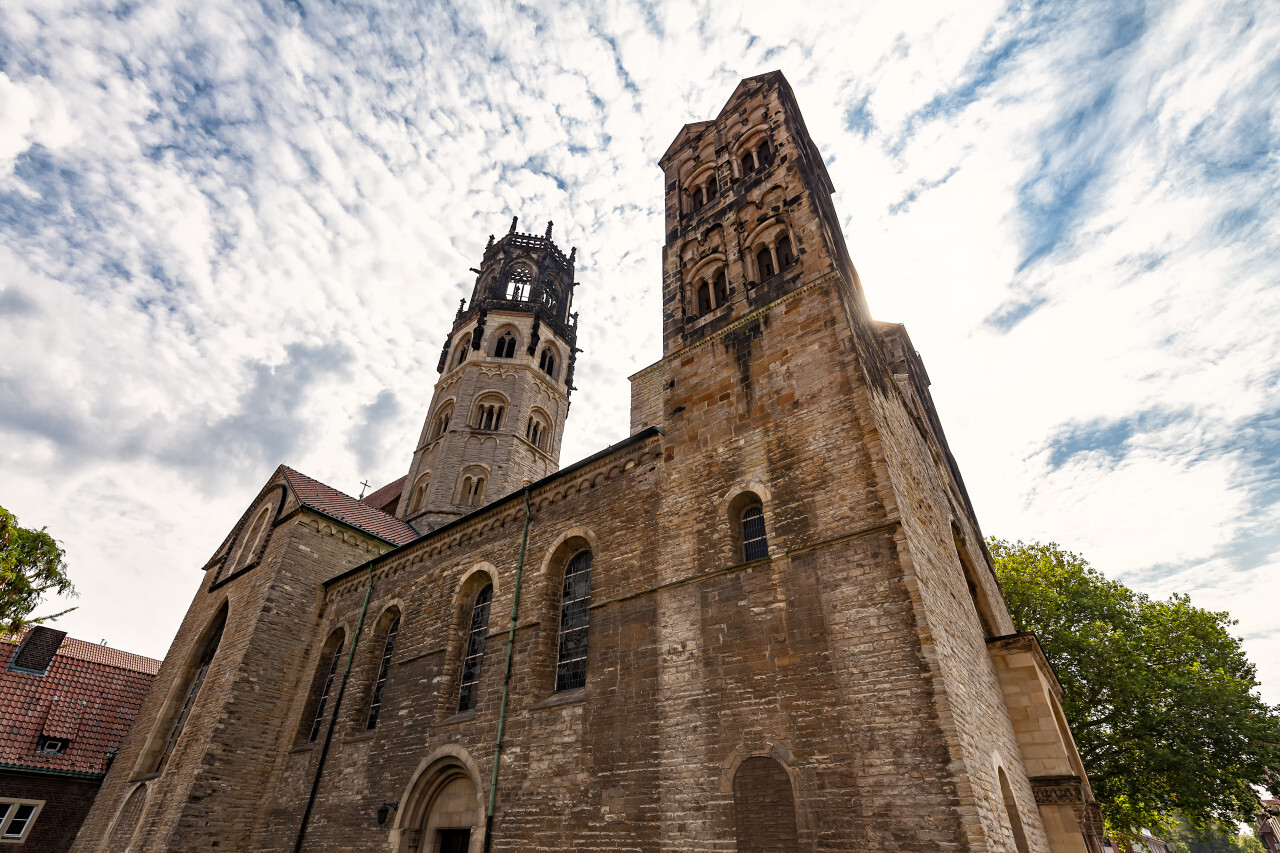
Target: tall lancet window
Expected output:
[192,691]
[571,664]
[473,655]
[375,705]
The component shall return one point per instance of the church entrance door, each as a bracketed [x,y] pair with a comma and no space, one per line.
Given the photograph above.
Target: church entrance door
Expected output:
[453,840]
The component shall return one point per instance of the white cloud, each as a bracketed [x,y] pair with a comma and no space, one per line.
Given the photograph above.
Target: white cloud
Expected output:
[234,233]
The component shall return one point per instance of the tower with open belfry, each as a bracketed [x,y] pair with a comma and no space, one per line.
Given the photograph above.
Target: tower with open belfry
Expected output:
[506,371]
[765,620]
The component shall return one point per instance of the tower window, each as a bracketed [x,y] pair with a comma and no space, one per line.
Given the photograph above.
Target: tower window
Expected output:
[762,153]
[536,432]
[571,660]
[471,489]
[721,289]
[786,257]
[755,545]
[518,284]
[462,354]
[764,262]
[442,423]
[489,415]
[712,190]
[473,656]
[375,705]
[548,363]
[506,346]
[419,497]
[704,298]
[697,199]
[748,162]
[329,666]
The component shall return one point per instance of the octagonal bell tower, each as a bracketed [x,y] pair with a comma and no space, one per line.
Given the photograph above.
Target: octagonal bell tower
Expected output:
[506,371]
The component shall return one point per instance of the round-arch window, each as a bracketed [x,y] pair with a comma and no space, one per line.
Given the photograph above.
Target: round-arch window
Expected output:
[755,545]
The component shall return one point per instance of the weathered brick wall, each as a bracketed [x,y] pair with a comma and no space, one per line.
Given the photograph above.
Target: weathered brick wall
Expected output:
[228,744]
[66,802]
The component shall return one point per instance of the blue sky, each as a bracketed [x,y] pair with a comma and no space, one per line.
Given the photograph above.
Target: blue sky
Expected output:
[234,234]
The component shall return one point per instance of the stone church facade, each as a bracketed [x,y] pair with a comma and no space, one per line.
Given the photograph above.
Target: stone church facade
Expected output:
[766,621]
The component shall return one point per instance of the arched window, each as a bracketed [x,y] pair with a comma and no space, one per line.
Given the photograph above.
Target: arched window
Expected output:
[786,257]
[571,659]
[506,346]
[442,422]
[764,262]
[196,680]
[696,201]
[762,153]
[980,606]
[418,499]
[548,363]
[471,488]
[755,545]
[704,298]
[1011,809]
[712,189]
[489,412]
[462,353]
[126,824]
[251,541]
[388,646]
[721,288]
[322,686]
[764,808]
[473,655]
[536,431]
[748,162]
[518,283]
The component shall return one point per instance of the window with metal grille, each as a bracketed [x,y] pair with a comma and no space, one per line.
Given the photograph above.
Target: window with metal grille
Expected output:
[755,546]
[473,655]
[571,666]
[193,690]
[17,818]
[375,705]
[318,717]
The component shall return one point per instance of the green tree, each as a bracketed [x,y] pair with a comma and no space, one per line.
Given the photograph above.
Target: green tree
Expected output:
[1215,838]
[1159,694]
[31,567]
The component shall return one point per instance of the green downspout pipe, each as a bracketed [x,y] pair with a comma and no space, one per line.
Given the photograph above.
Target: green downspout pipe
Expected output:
[333,718]
[506,680]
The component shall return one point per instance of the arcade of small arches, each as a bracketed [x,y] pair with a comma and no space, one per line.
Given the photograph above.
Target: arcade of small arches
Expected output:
[505,346]
[704,185]
[771,253]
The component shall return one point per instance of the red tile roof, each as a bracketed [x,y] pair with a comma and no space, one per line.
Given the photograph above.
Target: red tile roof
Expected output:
[347,509]
[89,696]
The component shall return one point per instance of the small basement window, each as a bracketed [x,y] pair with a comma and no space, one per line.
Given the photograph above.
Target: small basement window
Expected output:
[51,745]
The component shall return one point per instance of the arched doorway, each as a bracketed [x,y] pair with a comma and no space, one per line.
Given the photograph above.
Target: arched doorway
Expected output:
[442,812]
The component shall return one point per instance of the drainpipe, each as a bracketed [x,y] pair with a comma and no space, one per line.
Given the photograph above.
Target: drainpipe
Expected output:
[506,680]
[333,719]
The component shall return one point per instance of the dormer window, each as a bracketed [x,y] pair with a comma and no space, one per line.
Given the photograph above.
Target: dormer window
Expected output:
[51,745]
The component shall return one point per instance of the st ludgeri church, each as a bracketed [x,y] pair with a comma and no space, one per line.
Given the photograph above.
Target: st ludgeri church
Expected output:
[766,621]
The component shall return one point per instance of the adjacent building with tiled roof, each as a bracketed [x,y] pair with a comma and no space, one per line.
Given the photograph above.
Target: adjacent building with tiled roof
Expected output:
[65,708]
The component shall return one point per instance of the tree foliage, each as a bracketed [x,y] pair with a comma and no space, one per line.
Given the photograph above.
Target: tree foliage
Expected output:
[1159,694]
[31,567]
[1215,838]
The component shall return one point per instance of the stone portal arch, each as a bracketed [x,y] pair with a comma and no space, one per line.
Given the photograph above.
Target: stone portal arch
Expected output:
[442,810]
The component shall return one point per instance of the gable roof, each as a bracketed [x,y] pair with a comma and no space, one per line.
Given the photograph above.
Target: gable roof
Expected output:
[387,497]
[89,696]
[342,507]
[698,126]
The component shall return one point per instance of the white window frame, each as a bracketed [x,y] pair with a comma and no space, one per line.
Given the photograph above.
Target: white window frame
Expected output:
[10,807]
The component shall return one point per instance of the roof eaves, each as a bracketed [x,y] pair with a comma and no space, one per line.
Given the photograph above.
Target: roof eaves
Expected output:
[644,434]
